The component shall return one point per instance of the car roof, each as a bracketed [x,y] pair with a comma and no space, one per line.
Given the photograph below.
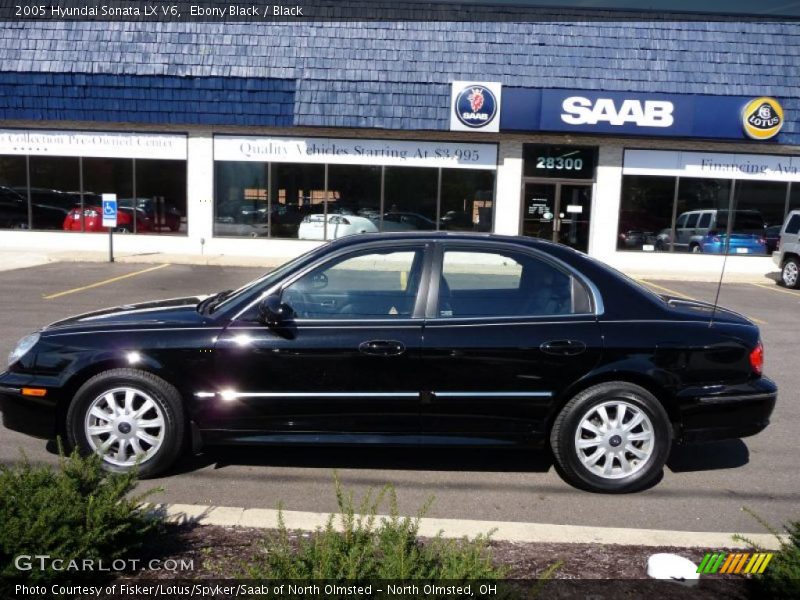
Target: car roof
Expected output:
[355,240]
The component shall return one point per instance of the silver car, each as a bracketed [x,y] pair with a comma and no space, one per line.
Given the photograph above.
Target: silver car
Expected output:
[787,256]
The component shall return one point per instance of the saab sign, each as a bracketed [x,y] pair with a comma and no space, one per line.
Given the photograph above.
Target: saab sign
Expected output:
[579,110]
[631,113]
[475,106]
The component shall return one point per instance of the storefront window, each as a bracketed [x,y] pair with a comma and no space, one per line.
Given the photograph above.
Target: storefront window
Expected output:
[298,192]
[645,218]
[355,191]
[13,193]
[467,200]
[55,190]
[241,199]
[701,215]
[160,196]
[410,199]
[794,196]
[104,176]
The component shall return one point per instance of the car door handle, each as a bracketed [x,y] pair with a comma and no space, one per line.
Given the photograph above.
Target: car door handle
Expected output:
[563,347]
[382,348]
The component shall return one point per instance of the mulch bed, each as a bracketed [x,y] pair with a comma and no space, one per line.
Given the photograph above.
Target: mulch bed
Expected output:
[220,552]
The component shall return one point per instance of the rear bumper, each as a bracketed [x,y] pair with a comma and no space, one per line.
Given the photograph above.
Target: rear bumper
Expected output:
[726,412]
[27,414]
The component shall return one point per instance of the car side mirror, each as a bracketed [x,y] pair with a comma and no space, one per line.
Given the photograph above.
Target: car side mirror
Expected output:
[272,312]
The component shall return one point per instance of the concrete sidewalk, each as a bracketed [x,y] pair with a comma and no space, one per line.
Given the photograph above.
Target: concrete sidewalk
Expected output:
[261,518]
[30,257]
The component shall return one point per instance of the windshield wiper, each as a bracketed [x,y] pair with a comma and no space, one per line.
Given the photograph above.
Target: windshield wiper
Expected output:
[206,305]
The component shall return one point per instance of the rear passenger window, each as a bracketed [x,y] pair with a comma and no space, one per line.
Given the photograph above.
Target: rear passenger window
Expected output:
[793,226]
[692,220]
[705,220]
[496,284]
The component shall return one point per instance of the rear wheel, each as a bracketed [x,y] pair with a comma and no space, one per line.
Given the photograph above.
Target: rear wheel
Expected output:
[131,418]
[613,437]
[789,273]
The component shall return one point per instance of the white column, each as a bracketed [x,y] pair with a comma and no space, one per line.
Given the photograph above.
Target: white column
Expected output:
[509,188]
[605,203]
[200,189]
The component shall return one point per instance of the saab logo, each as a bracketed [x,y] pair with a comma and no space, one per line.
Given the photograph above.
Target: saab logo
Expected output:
[762,118]
[476,106]
[650,113]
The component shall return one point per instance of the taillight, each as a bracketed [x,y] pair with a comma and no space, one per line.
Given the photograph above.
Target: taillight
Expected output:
[757,358]
[715,239]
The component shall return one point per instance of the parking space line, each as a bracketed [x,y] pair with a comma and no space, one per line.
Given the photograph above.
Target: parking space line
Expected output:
[775,288]
[685,297]
[104,282]
[666,289]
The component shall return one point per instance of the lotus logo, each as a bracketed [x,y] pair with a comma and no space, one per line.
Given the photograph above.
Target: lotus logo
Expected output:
[475,106]
[762,118]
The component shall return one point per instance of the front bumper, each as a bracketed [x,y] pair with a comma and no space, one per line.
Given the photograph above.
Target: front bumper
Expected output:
[726,412]
[27,414]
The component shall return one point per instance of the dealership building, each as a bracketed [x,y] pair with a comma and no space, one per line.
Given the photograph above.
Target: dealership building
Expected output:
[642,139]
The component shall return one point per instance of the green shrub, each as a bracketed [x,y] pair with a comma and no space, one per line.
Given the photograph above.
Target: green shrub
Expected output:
[74,512]
[368,547]
[781,579]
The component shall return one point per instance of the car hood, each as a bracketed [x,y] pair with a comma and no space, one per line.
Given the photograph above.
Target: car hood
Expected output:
[175,311]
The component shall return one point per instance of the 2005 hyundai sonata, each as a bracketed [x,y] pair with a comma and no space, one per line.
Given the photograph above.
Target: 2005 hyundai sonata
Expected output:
[403,339]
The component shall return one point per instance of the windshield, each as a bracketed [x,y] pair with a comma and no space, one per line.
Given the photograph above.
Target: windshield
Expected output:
[267,279]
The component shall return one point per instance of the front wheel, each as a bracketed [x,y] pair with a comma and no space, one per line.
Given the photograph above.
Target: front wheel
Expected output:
[613,437]
[131,418]
[789,273]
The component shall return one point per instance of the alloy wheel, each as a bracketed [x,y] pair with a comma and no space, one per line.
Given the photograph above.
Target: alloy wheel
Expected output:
[614,439]
[125,426]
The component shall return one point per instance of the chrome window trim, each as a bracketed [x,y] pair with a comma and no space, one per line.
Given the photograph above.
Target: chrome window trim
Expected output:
[493,394]
[598,308]
[233,394]
[422,243]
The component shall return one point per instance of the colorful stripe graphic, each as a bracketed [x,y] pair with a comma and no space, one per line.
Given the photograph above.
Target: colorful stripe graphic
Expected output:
[738,562]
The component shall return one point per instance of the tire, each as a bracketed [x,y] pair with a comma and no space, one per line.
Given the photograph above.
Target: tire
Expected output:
[695,248]
[790,273]
[586,409]
[158,432]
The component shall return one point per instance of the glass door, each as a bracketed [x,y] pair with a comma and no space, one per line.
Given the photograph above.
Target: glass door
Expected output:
[557,211]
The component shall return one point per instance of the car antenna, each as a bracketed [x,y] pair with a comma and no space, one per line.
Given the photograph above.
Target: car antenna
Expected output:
[719,287]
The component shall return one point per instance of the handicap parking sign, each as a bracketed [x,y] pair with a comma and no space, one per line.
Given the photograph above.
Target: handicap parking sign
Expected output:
[109,210]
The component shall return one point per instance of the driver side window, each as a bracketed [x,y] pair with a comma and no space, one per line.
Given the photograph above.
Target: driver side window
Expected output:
[367,285]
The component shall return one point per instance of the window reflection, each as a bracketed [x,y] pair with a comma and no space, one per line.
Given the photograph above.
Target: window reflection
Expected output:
[13,193]
[298,192]
[104,176]
[410,199]
[66,193]
[55,190]
[160,195]
[241,199]
[467,200]
[299,201]
[701,215]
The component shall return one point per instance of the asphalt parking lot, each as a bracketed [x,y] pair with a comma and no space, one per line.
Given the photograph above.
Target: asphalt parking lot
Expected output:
[704,488]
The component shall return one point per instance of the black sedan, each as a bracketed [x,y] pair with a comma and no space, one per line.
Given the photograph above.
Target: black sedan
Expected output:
[415,338]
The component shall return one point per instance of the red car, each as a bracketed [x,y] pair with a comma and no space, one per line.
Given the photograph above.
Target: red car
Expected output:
[93,220]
